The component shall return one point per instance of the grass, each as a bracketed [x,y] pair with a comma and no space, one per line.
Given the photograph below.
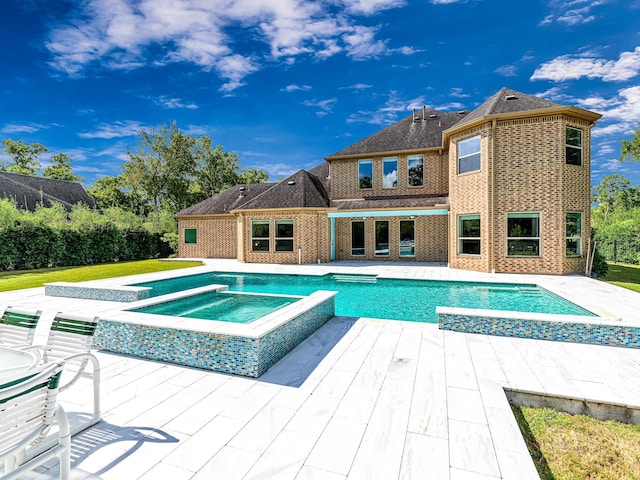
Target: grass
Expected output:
[626,276]
[578,447]
[17,280]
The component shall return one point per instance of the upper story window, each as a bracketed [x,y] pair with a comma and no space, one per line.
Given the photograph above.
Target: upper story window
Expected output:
[415,165]
[574,146]
[390,172]
[469,154]
[365,174]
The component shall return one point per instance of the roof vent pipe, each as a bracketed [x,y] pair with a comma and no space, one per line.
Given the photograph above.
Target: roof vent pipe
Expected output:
[424,111]
[414,115]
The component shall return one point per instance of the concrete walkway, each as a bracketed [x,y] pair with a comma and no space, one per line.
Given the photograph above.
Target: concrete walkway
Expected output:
[360,399]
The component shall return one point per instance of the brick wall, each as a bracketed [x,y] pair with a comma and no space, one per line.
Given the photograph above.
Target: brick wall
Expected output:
[215,237]
[344,177]
[430,239]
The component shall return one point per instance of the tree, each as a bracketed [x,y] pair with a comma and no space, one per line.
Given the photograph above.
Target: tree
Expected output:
[108,192]
[215,168]
[60,169]
[607,193]
[24,157]
[253,175]
[630,149]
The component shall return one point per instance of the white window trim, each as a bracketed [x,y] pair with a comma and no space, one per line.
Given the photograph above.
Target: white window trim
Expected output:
[537,215]
[470,216]
[573,237]
[389,160]
[260,238]
[370,162]
[479,137]
[573,146]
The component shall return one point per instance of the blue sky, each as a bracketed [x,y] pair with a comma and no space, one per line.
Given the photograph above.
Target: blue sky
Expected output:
[285,83]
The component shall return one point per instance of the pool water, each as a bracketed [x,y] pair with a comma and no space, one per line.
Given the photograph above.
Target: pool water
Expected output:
[226,307]
[395,299]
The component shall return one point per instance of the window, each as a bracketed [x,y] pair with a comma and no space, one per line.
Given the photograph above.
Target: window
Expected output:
[415,164]
[574,146]
[574,234]
[190,235]
[390,172]
[407,238]
[284,235]
[382,238]
[469,234]
[365,174]
[357,239]
[523,234]
[469,154]
[260,236]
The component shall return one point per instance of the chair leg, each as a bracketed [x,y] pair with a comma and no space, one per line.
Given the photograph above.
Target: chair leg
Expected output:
[65,443]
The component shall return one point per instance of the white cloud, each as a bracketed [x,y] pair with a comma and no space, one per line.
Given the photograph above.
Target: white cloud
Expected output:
[570,67]
[23,128]
[296,88]
[169,102]
[325,106]
[457,92]
[507,70]
[445,2]
[121,34]
[571,12]
[389,111]
[128,128]
[357,86]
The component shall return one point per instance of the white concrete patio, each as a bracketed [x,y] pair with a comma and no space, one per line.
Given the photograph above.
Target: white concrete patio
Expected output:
[360,399]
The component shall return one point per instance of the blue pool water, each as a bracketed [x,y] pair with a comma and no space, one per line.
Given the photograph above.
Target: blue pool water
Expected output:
[395,299]
[225,307]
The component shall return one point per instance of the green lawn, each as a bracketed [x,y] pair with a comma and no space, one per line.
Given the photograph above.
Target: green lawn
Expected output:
[626,276]
[17,280]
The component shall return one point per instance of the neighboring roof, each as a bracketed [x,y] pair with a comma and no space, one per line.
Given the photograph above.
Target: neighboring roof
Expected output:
[418,131]
[414,201]
[29,191]
[301,190]
[226,201]
[507,100]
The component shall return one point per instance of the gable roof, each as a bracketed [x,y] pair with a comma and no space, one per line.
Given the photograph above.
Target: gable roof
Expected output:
[224,202]
[29,191]
[419,131]
[301,190]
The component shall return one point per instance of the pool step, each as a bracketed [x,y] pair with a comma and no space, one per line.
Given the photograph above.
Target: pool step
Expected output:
[355,278]
[530,292]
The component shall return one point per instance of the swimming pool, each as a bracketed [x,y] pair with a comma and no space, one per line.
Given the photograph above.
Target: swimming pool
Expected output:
[222,306]
[394,299]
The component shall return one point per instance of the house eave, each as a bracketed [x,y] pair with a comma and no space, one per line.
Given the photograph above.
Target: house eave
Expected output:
[383,154]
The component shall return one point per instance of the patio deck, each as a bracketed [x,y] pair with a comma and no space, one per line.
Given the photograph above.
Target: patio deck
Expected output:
[360,399]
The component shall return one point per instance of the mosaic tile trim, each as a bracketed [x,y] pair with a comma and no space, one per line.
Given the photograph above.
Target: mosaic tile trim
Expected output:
[110,294]
[575,332]
[235,354]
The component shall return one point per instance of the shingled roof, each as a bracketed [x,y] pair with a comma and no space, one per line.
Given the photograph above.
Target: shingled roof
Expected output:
[504,101]
[301,190]
[226,201]
[418,131]
[29,191]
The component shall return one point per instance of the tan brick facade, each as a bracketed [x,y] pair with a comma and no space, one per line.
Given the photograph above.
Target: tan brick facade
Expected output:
[215,237]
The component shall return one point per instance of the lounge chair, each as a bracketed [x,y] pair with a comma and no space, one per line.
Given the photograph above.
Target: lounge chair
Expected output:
[28,409]
[17,326]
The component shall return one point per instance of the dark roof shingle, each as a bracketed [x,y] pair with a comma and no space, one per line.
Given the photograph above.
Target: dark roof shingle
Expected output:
[226,201]
[29,191]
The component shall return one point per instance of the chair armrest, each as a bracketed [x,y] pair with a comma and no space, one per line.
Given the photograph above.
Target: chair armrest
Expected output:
[86,357]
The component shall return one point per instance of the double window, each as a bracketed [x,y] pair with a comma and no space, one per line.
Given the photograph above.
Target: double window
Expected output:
[365,174]
[390,172]
[469,234]
[260,238]
[523,234]
[573,234]
[573,146]
[469,154]
[357,239]
[415,165]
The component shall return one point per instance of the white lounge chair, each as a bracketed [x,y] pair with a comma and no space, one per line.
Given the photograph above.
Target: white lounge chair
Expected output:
[17,326]
[28,409]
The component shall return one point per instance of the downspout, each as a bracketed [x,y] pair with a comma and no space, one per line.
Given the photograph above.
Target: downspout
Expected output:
[492,204]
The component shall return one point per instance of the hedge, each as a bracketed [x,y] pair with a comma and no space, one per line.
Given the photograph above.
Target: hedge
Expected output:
[27,246]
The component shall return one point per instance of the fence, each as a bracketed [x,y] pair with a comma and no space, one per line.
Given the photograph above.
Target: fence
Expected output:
[620,250]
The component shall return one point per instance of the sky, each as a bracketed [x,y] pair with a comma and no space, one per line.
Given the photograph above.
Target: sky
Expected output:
[286,83]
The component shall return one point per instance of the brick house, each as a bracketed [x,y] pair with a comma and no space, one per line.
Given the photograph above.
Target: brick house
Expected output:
[504,188]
